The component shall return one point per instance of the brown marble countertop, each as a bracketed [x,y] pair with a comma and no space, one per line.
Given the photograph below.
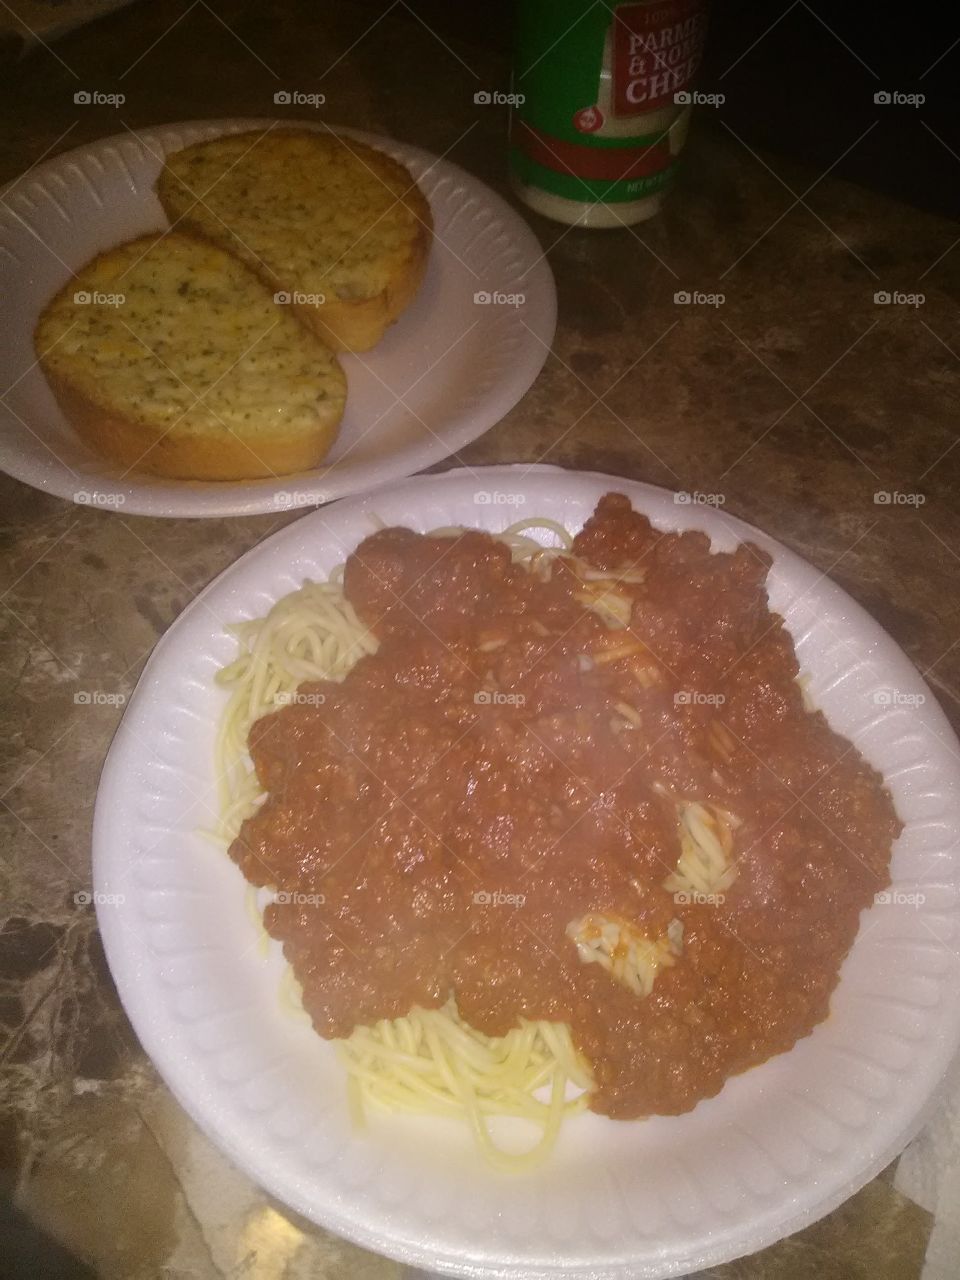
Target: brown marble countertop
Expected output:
[797,399]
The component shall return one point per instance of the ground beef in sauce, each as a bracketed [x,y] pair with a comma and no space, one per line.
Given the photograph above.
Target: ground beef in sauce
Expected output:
[478,752]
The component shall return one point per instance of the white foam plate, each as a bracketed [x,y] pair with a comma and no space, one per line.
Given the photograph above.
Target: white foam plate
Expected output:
[447,371]
[781,1144]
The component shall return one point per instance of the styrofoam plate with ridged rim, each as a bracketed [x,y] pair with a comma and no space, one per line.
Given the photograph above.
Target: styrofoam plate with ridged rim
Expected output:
[448,370]
[780,1145]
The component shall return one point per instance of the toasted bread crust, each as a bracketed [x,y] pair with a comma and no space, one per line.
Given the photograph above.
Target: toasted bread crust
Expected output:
[136,447]
[359,325]
[345,324]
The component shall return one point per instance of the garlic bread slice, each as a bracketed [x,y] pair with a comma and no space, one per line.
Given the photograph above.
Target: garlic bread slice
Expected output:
[168,356]
[338,230]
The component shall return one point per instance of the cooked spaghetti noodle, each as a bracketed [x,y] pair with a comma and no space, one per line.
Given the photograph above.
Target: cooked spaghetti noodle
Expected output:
[433,1062]
[705,866]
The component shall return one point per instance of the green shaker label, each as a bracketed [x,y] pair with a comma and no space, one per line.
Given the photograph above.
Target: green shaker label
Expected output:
[598,121]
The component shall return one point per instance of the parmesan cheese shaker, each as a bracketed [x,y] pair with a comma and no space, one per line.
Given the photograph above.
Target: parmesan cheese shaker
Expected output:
[603,105]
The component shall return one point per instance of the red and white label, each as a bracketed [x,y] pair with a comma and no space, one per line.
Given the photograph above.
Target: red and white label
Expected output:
[656,52]
[588,119]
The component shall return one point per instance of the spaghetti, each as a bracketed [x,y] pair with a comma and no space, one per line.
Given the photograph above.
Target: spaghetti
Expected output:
[481,721]
[705,866]
[430,1061]
[630,958]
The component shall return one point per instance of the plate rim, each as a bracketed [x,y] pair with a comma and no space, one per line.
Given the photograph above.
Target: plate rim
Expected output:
[193,499]
[382,1241]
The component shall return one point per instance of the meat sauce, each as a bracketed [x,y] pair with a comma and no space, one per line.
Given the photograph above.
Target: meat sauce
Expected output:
[466,792]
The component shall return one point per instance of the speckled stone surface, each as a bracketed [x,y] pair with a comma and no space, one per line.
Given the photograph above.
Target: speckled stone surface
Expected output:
[797,399]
